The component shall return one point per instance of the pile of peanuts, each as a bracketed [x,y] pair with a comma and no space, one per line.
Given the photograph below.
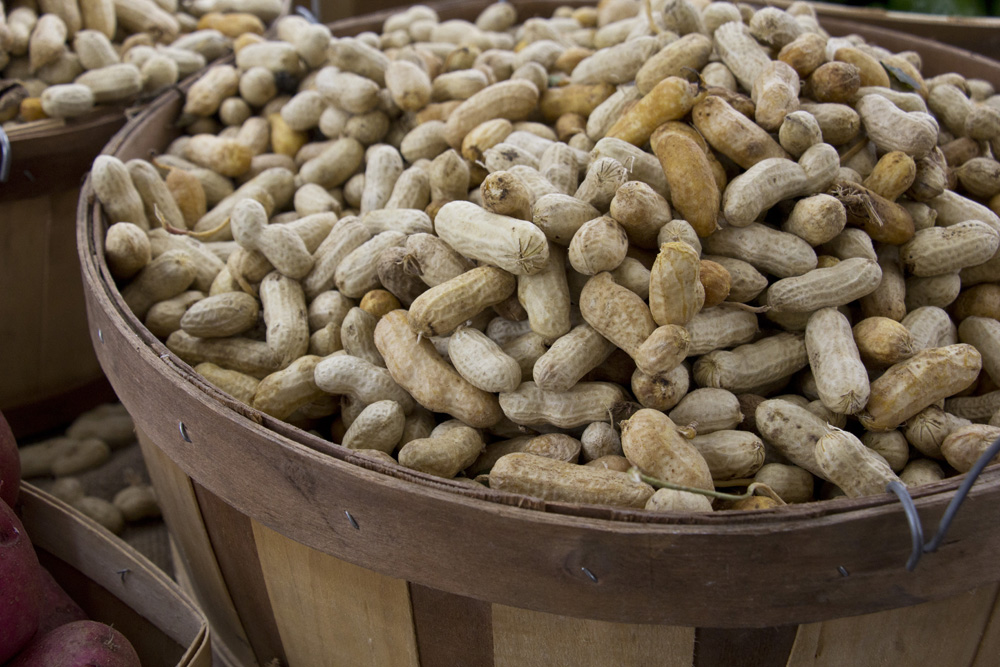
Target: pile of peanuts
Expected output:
[61,58]
[86,445]
[582,256]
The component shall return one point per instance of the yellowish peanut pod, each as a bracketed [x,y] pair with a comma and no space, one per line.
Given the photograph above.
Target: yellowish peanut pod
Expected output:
[558,481]
[856,469]
[653,444]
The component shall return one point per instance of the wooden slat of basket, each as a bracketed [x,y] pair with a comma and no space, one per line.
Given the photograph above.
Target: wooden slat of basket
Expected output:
[183,518]
[330,612]
[944,632]
[451,629]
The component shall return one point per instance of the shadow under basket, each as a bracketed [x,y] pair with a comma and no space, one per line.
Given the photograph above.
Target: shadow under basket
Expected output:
[115,584]
[298,550]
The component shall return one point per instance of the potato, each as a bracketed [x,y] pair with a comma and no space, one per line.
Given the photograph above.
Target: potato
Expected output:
[79,644]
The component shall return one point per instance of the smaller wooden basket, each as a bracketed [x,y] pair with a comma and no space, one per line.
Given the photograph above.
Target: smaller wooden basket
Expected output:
[115,584]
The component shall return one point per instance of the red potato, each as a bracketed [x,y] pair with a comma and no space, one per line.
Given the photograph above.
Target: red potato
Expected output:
[58,608]
[78,644]
[20,586]
[10,464]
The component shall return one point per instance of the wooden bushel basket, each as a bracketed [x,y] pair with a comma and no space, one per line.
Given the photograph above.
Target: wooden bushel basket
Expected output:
[300,551]
[50,371]
[114,584]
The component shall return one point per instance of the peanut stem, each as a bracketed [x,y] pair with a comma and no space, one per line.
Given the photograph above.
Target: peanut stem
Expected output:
[663,484]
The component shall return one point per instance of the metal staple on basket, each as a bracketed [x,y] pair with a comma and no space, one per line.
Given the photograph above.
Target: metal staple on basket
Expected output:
[910,509]
[5,157]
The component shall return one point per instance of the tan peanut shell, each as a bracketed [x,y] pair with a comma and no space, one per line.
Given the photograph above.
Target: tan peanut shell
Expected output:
[586,402]
[652,443]
[856,469]
[616,312]
[540,477]
[841,377]
[441,309]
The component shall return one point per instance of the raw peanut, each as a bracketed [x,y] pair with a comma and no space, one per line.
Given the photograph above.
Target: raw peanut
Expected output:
[516,246]
[840,376]
[48,39]
[984,334]
[927,430]
[752,365]
[882,341]
[850,243]
[608,112]
[641,165]
[425,141]
[67,489]
[846,281]
[67,100]
[793,431]
[545,478]
[126,249]
[99,15]
[730,454]
[31,109]
[733,134]
[252,357]
[164,317]
[586,402]
[930,327]
[693,190]
[116,192]
[408,84]
[285,316]
[328,307]
[805,53]
[571,357]
[604,177]
[240,386]
[379,426]
[766,249]
[616,64]
[915,383]
[545,296]
[771,180]
[145,16]
[839,124]
[921,471]
[933,177]
[669,500]
[580,99]
[283,392]
[559,216]
[350,234]
[416,366]
[231,24]
[448,178]
[833,82]
[207,93]
[892,176]
[361,380]
[966,444]
[432,260]
[976,408]
[113,83]
[884,221]
[225,156]
[691,51]
[708,410]
[444,453]
[598,245]
[484,136]
[892,129]
[101,511]
[775,27]
[335,164]
[792,483]
[378,302]
[776,94]
[79,456]
[137,502]
[661,393]
[503,156]
[799,130]
[164,277]
[481,361]
[940,290]
[663,350]
[653,444]
[856,469]
[816,219]
[979,176]
[890,445]
[526,349]
[669,99]
[745,282]
[740,52]
[599,439]
[559,165]
[512,100]
[611,462]
[676,293]
[616,313]
[312,198]
[157,201]
[441,309]
[160,71]
[221,315]
[555,446]
[108,422]
[888,299]
[940,250]
[357,333]
[634,275]
[720,327]
[280,245]
[640,210]
[949,105]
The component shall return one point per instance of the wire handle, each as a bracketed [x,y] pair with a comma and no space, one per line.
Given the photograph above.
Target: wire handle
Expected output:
[5,157]
[916,529]
[308,15]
